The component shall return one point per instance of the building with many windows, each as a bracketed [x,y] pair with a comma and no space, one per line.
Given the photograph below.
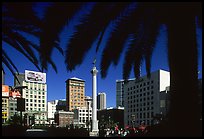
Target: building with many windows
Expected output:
[35,95]
[64,118]
[142,98]
[120,93]
[75,90]
[101,101]
[5,103]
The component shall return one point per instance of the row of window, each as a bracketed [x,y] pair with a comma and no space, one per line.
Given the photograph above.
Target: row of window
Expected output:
[142,84]
[140,100]
[140,90]
[141,109]
[77,87]
[31,96]
[39,101]
[35,109]
[144,94]
[39,105]
[141,104]
[39,92]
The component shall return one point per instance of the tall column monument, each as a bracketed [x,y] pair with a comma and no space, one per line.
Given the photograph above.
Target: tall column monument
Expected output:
[94,111]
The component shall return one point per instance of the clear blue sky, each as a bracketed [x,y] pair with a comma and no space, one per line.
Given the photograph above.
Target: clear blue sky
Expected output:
[56,81]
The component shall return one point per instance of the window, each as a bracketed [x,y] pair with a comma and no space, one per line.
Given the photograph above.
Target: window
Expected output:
[162,103]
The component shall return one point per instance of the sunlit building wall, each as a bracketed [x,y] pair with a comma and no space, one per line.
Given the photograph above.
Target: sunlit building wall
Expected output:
[75,92]
[35,97]
[142,98]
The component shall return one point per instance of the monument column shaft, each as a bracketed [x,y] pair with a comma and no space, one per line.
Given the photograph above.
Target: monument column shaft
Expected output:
[94,90]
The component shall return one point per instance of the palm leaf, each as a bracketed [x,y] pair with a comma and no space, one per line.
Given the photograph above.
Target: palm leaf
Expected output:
[92,25]
[55,19]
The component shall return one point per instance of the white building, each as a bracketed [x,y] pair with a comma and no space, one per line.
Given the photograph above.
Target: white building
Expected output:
[35,95]
[51,109]
[82,117]
[142,98]
[101,101]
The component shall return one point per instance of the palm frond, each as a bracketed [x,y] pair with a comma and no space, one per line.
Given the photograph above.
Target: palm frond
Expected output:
[15,45]
[6,57]
[92,25]
[7,64]
[56,16]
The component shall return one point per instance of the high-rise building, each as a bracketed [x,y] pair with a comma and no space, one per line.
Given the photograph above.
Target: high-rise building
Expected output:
[75,90]
[119,93]
[35,94]
[142,98]
[101,101]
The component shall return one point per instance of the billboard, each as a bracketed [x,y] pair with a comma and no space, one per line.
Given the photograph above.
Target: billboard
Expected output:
[15,94]
[5,91]
[33,76]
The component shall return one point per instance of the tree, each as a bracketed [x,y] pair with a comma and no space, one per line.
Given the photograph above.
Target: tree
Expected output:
[137,23]
[140,25]
[19,20]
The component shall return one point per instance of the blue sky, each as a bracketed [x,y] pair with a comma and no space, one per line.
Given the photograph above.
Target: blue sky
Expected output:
[56,81]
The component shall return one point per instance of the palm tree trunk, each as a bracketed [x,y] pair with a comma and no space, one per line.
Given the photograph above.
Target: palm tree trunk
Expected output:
[182,48]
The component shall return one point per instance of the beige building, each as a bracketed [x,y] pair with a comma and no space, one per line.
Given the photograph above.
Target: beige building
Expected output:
[64,118]
[75,90]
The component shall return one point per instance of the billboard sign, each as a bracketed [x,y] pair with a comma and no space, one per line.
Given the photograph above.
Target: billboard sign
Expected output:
[5,91]
[15,94]
[33,76]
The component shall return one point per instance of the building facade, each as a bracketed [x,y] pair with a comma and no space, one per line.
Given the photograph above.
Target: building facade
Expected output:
[142,98]
[5,103]
[64,118]
[101,101]
[35,94]
[82,117]
[51,109]
[120,93]
[109,117]
[75,90]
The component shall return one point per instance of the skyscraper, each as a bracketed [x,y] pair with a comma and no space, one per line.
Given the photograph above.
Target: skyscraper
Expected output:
[75,90]
[101,101]
[119,93]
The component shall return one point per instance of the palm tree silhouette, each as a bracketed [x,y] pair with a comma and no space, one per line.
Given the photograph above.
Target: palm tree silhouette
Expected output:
[140,26]
[18,18]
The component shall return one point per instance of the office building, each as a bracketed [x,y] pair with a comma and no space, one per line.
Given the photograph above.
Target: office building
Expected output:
[35,94]
[142,98]
[64,118]
[75,90]
[111,116]
[82,117]
[119,93]
[101,101]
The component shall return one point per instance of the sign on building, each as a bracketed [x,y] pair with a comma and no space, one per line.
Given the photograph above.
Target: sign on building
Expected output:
[33,76]
[5,91]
